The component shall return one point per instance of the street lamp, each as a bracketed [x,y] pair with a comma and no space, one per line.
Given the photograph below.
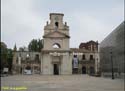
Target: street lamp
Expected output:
[112,65]
[97,66]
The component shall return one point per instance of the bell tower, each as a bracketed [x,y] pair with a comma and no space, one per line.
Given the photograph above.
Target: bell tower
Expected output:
[56,52]
[56,32]
[56,24]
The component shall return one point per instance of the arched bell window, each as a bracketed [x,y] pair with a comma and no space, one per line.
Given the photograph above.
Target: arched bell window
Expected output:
[56,24]
[56,46]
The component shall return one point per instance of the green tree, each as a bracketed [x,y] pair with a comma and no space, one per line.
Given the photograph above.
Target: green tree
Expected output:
[40,44]
[9,58]
[22,49]
[3,55]
[6,56]
[35,45]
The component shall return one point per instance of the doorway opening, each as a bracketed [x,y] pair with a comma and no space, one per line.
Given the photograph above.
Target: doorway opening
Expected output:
[92,71]
[83,70]
[56,69]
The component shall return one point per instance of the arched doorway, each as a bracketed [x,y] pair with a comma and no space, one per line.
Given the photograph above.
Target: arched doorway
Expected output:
[83,70]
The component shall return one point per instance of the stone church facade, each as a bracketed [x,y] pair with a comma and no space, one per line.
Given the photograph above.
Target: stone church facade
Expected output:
[56,41]
[56,57]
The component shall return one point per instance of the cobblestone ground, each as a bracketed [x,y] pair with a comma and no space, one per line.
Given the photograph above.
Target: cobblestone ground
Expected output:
[62,83]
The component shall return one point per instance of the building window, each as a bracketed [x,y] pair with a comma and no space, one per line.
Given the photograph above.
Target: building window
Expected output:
[56,46]
[91,57]
[83,57]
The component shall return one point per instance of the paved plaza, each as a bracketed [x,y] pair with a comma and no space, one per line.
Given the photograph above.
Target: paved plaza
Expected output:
[62,83]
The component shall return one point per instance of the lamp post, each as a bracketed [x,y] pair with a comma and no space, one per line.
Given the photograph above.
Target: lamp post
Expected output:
[112,65]
[97,66]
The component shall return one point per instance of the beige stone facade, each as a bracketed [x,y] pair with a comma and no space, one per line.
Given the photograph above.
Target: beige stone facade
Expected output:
[56,45]
[56,57]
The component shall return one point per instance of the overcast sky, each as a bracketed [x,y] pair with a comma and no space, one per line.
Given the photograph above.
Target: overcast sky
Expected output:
[24,20]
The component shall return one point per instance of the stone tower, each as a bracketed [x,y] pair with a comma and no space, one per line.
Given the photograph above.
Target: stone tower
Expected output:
[55,53]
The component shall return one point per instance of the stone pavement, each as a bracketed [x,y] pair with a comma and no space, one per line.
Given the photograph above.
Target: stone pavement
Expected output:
[62,83]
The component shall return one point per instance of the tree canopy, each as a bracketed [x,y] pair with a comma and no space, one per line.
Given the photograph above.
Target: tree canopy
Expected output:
[6,56]
[35,45]
[3,55]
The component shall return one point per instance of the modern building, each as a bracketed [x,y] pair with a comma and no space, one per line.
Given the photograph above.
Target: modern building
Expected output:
[56,56]
[112,52]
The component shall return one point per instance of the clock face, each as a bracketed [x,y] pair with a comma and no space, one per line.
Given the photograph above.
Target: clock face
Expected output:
[56,18]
